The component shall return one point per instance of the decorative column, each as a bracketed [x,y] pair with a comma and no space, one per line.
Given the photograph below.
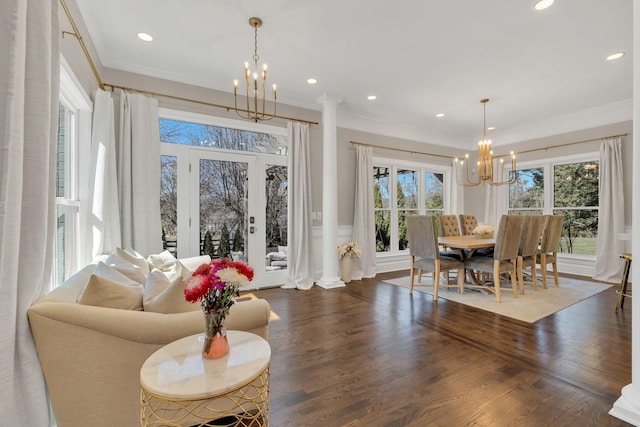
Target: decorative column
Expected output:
[330,277]
[627,407]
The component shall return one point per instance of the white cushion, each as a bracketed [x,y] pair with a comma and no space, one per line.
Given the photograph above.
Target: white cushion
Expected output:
[163,296]
[134,258]
[169,265]
[125,267]
[283,250]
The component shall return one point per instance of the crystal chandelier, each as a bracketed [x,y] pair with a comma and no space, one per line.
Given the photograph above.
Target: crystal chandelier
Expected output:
[486,161]
[255,108]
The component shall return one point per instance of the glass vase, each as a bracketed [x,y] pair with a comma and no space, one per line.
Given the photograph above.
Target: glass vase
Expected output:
[215,337]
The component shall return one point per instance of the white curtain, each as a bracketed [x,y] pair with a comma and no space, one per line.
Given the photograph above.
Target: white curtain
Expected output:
[103,228]
[496,204]
[364,227]
[29,84]
[456,199]
[611,213]
[300,258]
[138,152]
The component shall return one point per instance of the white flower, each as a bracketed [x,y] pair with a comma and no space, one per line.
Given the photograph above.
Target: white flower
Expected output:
[349,250]
[483,229]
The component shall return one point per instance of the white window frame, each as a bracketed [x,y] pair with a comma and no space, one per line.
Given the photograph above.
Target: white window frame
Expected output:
[77,172]
[547,165]
[421,168]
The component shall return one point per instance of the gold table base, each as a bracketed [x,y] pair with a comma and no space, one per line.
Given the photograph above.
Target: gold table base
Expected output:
[247,406]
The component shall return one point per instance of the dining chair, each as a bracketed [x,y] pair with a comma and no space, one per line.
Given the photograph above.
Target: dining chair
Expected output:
[467,223]
[551,234]
[425,253]
[532,226]
[449,227]
[504,258]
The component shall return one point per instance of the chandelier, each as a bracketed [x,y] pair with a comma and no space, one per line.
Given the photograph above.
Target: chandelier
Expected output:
[254,79]
[486,161]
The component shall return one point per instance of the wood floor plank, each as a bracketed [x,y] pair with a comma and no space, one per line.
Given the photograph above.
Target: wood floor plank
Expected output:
[372,354]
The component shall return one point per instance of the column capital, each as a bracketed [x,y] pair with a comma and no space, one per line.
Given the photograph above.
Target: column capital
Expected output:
[329,99]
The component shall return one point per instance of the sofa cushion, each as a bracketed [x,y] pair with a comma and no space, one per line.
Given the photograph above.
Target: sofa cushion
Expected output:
[125,267]
[107,287]
[134,258]
[163,296]
[169,265]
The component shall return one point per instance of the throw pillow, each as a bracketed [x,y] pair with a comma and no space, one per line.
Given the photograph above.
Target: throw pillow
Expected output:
[163,296]
[109,288]
[134,258]
[125,267]
[169,265]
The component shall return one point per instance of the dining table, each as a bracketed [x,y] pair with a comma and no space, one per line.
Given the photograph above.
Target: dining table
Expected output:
[467,245]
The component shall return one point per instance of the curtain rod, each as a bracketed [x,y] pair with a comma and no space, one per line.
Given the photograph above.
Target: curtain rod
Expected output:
[401,149]
[76,34]
[548,147]
[195,101]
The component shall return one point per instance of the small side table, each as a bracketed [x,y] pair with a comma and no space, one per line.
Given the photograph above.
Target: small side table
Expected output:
[181,388]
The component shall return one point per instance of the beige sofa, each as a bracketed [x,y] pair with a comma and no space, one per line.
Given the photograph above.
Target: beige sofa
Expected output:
[91,356]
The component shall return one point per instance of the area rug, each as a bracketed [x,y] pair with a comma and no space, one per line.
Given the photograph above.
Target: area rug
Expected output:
[530,307]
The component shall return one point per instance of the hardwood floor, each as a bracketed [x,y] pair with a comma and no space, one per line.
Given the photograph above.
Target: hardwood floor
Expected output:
[371,354]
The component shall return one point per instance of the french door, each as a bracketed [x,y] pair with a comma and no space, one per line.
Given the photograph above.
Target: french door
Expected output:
[232,205]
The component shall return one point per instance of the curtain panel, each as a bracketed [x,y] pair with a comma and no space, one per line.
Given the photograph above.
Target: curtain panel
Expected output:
[364,228]
[29,84]
[611,213]
[300,262]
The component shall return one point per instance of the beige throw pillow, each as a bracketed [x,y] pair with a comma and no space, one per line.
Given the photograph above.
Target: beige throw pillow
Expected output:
[125,267]
[163,296]
[109,288]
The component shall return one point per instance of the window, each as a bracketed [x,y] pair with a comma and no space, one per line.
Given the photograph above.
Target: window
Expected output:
[74,124]
[401,190]
[567,187]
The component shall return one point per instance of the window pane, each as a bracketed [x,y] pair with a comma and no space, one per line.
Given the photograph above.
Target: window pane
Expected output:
[178,132]
[579,231]
[223,192]
[169,202]
[576,185]
[528,189]
[61,152]
[383,237]
[434,191]
[60,243]
[381,187]
[407,189]
[276,216]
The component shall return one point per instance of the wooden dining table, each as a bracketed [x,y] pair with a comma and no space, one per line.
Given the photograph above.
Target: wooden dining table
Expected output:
[469,243]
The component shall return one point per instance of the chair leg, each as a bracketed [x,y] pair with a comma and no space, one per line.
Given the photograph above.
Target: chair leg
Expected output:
[554,265]
[514,284]
[412,274]
[436,280]
[461,276]
[622,291]
[519,262]
[543,269]
[496,280]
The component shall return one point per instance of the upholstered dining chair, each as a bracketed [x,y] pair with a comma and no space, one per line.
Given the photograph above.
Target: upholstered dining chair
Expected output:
[467,223]
[504,258]
[449,227]
[551,234]
[425,253]
[532,226]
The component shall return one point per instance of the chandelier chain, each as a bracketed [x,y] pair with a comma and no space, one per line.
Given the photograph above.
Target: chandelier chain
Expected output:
[255,44]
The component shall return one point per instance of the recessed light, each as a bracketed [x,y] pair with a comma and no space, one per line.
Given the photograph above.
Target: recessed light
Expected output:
[491,128]
[144,36]
[440,115]
[371,97]
[616,55]
[542,4]
[312,81]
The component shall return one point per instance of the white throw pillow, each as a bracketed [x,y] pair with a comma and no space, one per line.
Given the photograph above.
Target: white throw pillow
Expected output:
[109,288]
[284,250]
[169,265]
[134,258]
[125,267]
[163,296]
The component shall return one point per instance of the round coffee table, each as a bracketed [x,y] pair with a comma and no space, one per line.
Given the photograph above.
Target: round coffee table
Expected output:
[181,388]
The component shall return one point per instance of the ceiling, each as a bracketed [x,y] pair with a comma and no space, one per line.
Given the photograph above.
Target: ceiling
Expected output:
[545,72]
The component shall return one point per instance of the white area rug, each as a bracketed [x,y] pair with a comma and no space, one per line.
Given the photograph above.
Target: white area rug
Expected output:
[530,307]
